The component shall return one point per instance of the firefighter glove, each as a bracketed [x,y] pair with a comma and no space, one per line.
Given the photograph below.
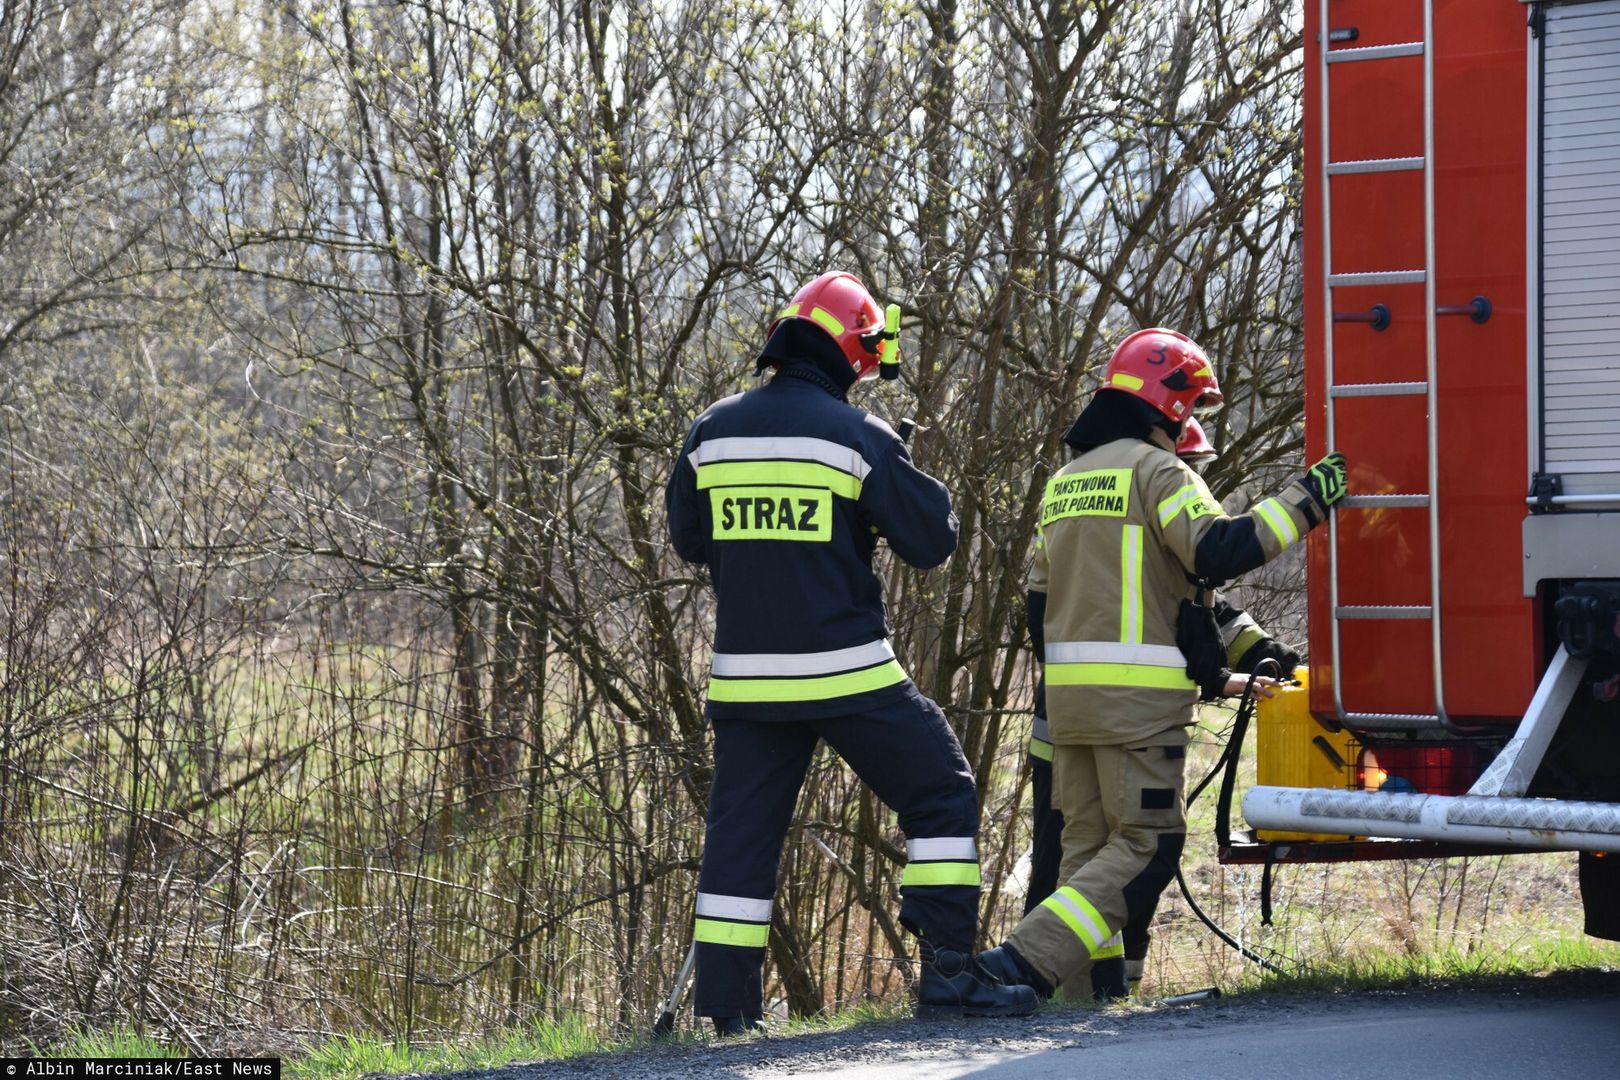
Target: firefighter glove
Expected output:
[1326,480]
[1270,649]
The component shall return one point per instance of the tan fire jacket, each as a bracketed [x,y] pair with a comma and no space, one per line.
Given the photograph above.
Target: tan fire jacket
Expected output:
[1122,527]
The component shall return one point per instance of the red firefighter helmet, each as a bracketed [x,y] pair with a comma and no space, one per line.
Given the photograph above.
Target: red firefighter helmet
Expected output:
[839,304]
[1166,369]
[1194,446]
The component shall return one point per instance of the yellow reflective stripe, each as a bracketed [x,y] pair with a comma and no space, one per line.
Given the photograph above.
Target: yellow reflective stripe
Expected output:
[1130,585]
[742,935]
[1246,639]
[1080,916]
[1129,382]
[789,311]
[822,318]
[1178,502]
[1276,515]
[1146,676]
[941,873]
[1205,372]
[1040,749]
[818,688]
[1114,946]
[795,473]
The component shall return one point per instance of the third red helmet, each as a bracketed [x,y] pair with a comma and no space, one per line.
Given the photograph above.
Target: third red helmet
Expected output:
[1194,446]
[839,304]
[1166,369]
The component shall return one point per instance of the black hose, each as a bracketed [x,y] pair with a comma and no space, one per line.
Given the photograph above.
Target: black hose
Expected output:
[1226,765]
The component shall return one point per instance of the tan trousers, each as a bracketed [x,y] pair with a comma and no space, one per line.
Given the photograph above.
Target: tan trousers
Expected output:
[1124,821]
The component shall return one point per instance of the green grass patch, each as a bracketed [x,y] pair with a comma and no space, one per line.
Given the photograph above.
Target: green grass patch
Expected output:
[1463,968]
[352,1056]
[118,1042]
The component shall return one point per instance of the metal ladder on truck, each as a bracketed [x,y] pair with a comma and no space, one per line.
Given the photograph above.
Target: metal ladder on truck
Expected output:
[1496,810]
[1328,59]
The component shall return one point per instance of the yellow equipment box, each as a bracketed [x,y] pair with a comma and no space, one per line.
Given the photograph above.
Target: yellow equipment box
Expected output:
[1294,749]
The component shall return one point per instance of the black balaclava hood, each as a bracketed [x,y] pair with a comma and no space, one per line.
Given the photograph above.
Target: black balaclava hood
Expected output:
[796,342]
[1114,414]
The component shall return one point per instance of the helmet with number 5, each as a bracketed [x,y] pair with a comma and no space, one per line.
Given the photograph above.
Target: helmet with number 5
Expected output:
[839,305]
[1166,369]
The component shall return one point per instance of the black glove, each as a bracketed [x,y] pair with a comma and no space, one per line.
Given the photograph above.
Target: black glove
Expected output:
[1270,649]
[1326,480]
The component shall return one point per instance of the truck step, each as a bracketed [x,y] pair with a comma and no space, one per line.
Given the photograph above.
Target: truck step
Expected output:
[1378,389]
[1374,52]
[1383,611]
[1374,165]
[1380,501]
[1378,277]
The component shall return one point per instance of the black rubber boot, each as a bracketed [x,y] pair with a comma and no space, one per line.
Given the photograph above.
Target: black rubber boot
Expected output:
[956,984]
[1108,979]
[1136,950]
[732,1027]
[1005,966]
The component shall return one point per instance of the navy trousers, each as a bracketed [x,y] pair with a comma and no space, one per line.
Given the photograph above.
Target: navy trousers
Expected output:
[908,755]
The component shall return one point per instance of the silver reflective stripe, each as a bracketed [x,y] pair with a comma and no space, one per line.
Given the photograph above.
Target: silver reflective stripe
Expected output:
[1134,970]
[931,849]
[1113,652]
[1130,561]
[1230,632]
[1177,503]
[1098,934]
[745,908]
[741,665]
[1041,729]
[781,448]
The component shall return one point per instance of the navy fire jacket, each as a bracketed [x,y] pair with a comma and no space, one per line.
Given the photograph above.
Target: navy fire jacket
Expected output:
[783,492]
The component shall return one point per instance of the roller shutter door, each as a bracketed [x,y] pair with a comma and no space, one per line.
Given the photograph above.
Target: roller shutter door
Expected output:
[1580,247]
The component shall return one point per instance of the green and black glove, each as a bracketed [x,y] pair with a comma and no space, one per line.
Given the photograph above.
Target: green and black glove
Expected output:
[1327,480]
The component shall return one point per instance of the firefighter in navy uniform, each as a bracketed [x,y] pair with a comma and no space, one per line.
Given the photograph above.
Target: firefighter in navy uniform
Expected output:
[1117,968]
[783,492]
[1129,538]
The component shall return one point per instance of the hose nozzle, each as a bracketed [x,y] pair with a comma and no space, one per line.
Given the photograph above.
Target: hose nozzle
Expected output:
[889,351]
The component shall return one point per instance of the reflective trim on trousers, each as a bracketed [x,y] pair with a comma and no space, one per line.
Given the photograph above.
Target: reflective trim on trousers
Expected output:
[935,848]
[1040,738]
[941,860]
[739,908]
[941,873]
[1114,946]
[1080,916]
[744,935]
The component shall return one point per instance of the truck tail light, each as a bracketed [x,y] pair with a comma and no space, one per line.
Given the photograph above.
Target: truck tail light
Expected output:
[1428,768]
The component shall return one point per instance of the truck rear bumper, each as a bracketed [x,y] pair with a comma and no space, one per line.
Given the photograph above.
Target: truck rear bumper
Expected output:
[1527,824]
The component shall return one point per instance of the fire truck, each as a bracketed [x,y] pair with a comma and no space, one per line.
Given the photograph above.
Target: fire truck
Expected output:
[1462,318]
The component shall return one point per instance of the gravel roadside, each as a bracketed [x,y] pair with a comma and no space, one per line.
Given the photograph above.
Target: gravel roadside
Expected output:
[893,1044]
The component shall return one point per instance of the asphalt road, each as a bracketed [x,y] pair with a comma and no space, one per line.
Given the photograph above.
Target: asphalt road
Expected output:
[1565,1027]
[1427,1040]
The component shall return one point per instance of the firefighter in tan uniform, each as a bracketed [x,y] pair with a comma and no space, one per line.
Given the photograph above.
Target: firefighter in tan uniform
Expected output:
[1131,543]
